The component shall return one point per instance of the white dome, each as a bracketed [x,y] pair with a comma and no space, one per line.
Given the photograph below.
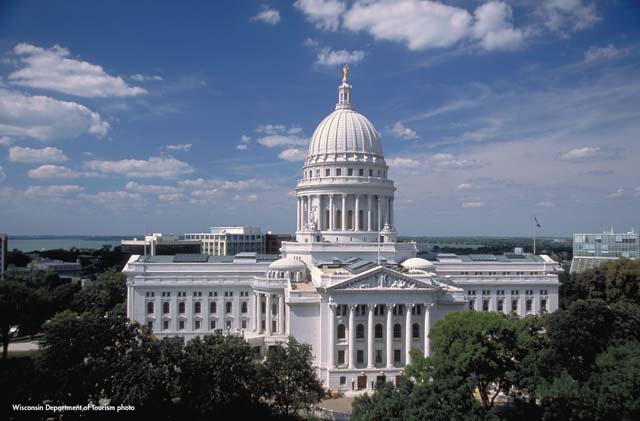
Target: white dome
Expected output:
[418,263]
[345,131]
[287,263]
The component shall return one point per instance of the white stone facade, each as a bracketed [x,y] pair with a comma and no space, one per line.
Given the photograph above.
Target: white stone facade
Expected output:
[345,286]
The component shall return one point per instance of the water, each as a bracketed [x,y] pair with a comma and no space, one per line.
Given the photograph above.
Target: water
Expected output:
[28,244]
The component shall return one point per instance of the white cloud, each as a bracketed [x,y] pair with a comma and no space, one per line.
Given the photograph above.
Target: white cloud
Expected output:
[564,16]
[161,167]
[52,69]
[330,58]
[273,141]
[245,139]
[403,163]
[545,204]
[114,199]
[268,16]
[609,52]
[52,190]
[145,78]
[44,118]
[446,161]
[494,29]
[582,154]
[252,197]
[185,147]
[5,141]
[171,197]
[400,131]
[58,171]
[324,14]
[2,174]
[473,204]
[151,188]
[242,147]
[292,154]
[465,186]
[616,194]
[418,24]
[30,155]
[279,135]
[213,183]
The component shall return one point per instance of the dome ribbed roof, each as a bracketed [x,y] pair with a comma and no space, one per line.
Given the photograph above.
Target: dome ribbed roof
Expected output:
[345,131]
[287,263]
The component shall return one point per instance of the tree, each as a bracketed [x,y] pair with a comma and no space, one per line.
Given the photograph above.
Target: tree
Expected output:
[22,306]
[103,295]
[614,281]
[386,403]
[288,379]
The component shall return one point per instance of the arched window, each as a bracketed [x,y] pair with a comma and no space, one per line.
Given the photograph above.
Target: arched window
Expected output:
[228,306]
[360,331]
[350,219]
[341,331]
[181,307]
[197,307]
[213,307]
[397,331]
[244,307]
[415,330]
[150,307]
[165,307]
[378,331]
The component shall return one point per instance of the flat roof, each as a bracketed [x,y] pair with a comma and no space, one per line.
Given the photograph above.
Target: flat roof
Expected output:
[205,258]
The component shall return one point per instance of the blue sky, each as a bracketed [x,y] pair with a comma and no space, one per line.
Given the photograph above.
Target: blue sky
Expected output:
[118,117]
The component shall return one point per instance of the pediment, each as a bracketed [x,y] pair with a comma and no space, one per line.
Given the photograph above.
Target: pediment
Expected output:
[380,278]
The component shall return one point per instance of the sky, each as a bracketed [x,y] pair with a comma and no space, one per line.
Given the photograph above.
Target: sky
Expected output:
[125,117]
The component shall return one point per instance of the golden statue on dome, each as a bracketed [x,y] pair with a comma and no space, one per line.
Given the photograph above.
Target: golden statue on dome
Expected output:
[345,72]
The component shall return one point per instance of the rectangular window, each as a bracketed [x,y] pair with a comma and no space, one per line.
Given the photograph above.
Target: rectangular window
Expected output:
[350,172]
[165,325]
[181,324]
[361,172]
[543,306]
[327,172]
[213,324]
[396,355]
[341,356]
[500,305]
[360,356]
[197,324]
[514,306]
[228,324]
[378,356]
[244,324]
[343,380]
[150,325]
[472,304]
[528,304]
[485,305]
[370,173]
[338,171]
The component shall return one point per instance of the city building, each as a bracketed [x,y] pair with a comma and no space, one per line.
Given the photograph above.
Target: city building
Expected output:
[361,299]
[229,241]
[161,245]
[63,269]
[591,250]
[4,252]
[273,242]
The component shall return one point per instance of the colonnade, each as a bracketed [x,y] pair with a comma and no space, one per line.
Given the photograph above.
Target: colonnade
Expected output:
[345,212]
[268,315]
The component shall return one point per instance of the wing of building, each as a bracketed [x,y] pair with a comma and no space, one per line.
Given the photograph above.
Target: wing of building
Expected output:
[345,286]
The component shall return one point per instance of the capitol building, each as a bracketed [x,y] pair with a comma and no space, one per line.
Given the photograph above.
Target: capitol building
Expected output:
[346,286]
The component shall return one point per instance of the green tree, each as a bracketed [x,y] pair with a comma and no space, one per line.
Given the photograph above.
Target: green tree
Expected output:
[386,403]
[22,306]
[102,295]
[614,281]
[288,379]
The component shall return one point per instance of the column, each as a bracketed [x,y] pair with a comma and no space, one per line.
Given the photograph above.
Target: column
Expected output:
[256,311]
[392,218]
[407,333]
[390,335]
[281,314]
[369,213]
[298,215]
[320,213]
[268,322]
[427,328]
[332,214]
[332,334]
[356,227]
[344,212]
[309,209]
[379,213]
[370,349]
[352,337]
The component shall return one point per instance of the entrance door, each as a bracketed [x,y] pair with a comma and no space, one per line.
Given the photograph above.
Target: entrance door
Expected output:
[362,382]
[381,379]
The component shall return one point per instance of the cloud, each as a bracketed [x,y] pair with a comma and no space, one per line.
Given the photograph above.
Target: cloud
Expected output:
[52,70]
[293,154]
[618,194]
[32,156]
[145,78]
[252,197]
[114,199]
[268,16]
[151,188]
[545,204]
[418,24]
[565,16]
[403,163]
[2,174]
[161,167]
[184,147]
[58,171]
[242,147]
[44,118]
[330,58]
[171,197]
[5,141]
[213,183]
[401,132]
[324,14]
[52,190]
[582,154]
[465,186]
[494,29]
[609,52]
[278,135]
[473,204]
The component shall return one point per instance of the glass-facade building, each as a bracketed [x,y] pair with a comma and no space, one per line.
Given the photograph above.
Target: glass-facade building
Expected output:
[590,250]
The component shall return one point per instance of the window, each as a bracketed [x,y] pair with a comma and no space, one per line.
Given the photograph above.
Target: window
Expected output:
[416,310]
[485,305]
[341,331]
[244,323]
[228,324]
[150,307]
[244,308]
[213,307]
[397,331]
[543,305]
[338,171]
[327,172]
[378,331]
[150,325]
[514,306]
[396,355]
[165,324]
[415,330]
[165,307]
[370,173]
[378,356]
[197,325]
[343,379]
[229,306]
[360,356]
[197,307]
[181,324]
[361,172]
[350,172]
[360,331]
[181,307]
[500,305]
[472,304]
[318,172]
[212,323]
[341,356]
[528,305]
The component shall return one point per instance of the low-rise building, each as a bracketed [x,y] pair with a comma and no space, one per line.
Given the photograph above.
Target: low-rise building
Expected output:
[161,245]
[591,250]
[229,241]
